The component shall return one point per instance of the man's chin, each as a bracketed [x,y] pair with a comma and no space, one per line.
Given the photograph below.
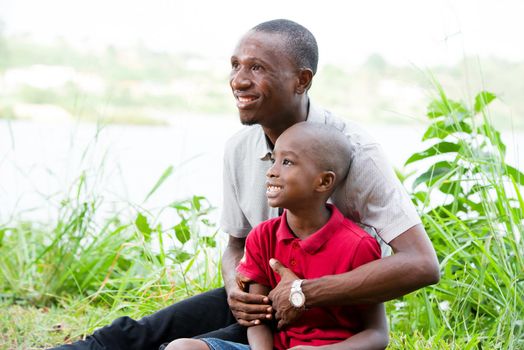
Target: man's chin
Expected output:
[247,118]
[248,122]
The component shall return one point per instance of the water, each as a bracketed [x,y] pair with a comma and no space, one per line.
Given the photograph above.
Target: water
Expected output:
[39,162]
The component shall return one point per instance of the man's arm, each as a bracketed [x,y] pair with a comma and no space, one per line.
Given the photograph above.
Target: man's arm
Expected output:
[413,266]
[247,308]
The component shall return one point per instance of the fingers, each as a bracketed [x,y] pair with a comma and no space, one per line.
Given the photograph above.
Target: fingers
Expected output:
[249,317]
[248,308]
[247,323]
[251,312]
[281,324]
[242,281]
[276,266]
[248,298]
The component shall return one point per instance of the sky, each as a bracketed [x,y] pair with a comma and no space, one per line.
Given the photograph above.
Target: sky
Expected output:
[404,32]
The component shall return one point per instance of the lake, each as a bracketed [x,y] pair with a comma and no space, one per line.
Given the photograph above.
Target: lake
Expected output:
[40,161]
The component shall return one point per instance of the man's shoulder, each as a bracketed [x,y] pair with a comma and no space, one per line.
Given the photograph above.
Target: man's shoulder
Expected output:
[356,134]
[245,134]
[244,143]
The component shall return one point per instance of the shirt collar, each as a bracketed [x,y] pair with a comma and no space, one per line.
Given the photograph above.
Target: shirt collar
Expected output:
[264,147]
[315,241]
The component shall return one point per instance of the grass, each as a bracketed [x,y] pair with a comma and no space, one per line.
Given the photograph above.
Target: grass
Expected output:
[62,279]
[472,208]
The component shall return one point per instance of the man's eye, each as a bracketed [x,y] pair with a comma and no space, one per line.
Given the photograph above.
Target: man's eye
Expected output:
[234,65]
[256,67]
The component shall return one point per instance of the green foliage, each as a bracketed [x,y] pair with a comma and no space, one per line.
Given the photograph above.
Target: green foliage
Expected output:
[472,208]
[84,254]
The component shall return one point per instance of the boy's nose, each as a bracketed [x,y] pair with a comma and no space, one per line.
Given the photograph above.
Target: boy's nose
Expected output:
[271,172]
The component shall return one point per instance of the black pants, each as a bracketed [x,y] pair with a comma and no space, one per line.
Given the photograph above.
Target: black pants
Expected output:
[204,315]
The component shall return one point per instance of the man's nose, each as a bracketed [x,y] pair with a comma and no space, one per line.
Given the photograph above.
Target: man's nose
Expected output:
[240,80]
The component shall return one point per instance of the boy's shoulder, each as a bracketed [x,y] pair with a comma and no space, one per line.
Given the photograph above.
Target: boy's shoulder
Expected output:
[352,228]
[352,235]
[265,227]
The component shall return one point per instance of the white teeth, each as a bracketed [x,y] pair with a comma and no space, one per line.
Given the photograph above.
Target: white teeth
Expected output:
[273,188]
[245,99]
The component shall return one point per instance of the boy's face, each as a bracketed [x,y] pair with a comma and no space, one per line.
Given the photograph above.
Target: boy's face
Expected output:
[294,176]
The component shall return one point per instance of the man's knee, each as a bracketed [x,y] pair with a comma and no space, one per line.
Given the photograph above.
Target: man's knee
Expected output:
[187,344]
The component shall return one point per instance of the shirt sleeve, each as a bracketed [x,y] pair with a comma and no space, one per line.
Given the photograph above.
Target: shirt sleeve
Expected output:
[367,250]
[375,195]
[251,264]
[233,220]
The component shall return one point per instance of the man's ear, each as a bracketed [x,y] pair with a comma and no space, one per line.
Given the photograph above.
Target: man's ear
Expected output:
[305,79]
[326,181]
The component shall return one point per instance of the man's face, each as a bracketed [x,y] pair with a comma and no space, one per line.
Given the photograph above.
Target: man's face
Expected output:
[294,175]
[263,79]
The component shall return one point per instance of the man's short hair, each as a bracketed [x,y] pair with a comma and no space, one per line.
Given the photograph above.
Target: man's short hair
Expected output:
[300,42]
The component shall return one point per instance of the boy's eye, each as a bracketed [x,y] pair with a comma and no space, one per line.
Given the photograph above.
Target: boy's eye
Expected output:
[287,162]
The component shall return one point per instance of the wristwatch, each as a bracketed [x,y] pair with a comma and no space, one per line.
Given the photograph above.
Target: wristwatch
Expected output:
[296,297]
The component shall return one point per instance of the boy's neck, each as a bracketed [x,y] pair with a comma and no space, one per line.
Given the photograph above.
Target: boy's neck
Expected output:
[304,222]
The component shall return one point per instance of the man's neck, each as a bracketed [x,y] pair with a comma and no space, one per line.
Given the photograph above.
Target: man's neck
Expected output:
[274,131]
[304,222]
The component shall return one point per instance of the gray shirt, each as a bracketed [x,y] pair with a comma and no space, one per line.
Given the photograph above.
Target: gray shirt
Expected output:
[371,195]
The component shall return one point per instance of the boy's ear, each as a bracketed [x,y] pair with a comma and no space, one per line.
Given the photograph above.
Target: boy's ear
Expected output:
[326,181]
[305,78]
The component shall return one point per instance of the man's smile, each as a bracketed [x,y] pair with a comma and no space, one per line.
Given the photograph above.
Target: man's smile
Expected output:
[246,101]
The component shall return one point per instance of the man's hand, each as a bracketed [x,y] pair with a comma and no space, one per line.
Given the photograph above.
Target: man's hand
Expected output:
[279,296]
[249,309]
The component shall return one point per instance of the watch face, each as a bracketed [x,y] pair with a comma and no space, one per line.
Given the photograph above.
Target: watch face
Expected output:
[297,299]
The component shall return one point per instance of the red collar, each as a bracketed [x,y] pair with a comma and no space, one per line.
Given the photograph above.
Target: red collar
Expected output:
[317,239]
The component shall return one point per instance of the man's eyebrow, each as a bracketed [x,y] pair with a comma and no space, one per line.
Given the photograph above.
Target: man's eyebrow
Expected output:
[249,59]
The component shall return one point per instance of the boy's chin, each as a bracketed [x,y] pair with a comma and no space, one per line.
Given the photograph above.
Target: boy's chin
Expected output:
[273,203]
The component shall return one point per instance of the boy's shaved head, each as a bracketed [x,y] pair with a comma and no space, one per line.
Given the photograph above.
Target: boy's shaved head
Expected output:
[327,146]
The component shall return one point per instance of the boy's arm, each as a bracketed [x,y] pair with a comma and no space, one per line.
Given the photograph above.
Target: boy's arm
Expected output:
[260,336]
[246,307]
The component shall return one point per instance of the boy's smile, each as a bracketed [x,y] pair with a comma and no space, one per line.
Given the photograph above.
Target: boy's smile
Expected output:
[272,190]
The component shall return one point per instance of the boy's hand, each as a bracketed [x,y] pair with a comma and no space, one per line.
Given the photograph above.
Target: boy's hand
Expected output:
[249,309]
[279,296]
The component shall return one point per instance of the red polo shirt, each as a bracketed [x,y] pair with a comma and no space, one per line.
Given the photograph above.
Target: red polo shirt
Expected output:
[338,247]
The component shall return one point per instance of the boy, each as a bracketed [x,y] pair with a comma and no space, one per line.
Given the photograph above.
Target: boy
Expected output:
[314,239]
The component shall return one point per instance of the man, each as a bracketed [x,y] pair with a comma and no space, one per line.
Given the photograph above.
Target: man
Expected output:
[272,69]
[314,239]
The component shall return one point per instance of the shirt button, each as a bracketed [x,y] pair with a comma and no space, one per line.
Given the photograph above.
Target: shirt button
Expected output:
[295,245]
[293,262]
